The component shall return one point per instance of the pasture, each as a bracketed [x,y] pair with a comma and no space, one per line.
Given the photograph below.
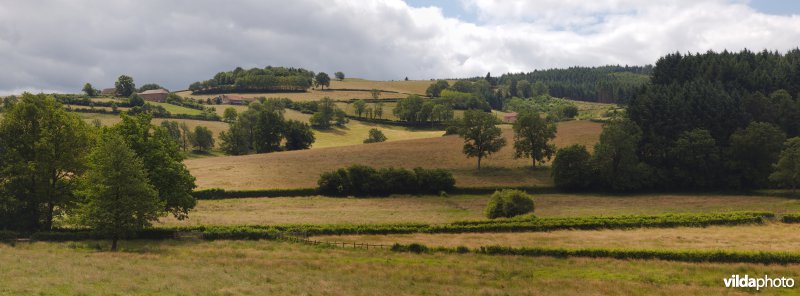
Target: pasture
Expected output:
[277,268]
[300,169]
[350,88]
[437,210]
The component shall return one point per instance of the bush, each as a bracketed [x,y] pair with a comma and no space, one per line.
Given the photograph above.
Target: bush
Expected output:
[8,235]
[375,136]
[359,180]
[218,193]
[791,218]
[451,130]
[509,203]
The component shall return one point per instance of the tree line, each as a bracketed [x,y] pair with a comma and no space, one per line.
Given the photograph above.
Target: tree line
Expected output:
[114,180]
[606,84]
[266,79]
[705,121]
[262,128]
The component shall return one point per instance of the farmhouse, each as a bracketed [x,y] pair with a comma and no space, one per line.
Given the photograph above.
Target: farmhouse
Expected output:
[108,91]
[155,95]
[510,117]
[233,100]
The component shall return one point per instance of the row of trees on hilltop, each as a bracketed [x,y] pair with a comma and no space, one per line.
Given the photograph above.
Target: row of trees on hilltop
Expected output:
[267,79]
[706,121]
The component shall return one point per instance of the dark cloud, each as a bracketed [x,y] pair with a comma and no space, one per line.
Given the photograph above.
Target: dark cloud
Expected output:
[59,45]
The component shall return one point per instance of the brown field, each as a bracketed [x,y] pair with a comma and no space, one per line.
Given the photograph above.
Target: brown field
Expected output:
[435,209]
[350,88]
[774,237]
[274,268]
[310,95]
[294,169]
[406,87]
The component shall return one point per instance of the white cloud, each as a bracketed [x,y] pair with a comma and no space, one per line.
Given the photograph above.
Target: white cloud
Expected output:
[59,45]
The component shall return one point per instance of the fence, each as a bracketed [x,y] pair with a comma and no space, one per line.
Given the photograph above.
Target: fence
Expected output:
[298,237]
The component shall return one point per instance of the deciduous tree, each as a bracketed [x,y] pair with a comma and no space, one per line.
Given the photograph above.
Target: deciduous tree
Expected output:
[481,137]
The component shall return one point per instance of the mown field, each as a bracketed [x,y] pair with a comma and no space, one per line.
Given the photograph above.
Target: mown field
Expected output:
[768,237]
[435,209]
[350,88]
[275,268]
[298,169]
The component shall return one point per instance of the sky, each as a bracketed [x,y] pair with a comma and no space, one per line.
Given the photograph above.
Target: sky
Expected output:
[58,45]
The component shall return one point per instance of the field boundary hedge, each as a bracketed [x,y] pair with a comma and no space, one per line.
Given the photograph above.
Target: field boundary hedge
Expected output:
[716,256]
[218,193]
[271,232]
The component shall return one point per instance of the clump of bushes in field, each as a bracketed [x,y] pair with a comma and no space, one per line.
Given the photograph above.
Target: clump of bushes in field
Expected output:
[359,180]
[508,203]
[791,218]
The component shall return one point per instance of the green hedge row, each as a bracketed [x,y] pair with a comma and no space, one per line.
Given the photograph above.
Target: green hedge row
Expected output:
[791,218]
[249,232]
[8,235]
[217,193]
[670,255]
[540,224]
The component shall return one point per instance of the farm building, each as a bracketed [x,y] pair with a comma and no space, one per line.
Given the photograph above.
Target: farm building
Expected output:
[233,99]
[155,95]
[510,117]
[108,91]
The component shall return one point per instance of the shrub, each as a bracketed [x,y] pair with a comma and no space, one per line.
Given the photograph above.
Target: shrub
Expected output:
[8,235]
[509,203]
[375,136]
[359,180]
[451,130]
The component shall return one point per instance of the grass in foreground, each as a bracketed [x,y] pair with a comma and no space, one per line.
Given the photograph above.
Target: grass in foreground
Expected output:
[435,209]
[275,268]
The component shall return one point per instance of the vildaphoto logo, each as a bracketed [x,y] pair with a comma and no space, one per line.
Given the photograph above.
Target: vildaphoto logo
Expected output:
[736,281]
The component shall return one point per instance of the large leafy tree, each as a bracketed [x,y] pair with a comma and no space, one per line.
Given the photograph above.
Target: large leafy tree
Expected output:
[615,161]
[481,135]
[162,160]
[42,148]
[571,168]
[125,86]
[787,170]
[359,106]
[532,135]
[202,138]
[322,80]
[89,90]
[696,160]
[751,153]
[298,135]
[118,198]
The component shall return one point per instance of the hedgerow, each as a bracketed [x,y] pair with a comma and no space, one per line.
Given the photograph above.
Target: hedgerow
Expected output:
[359,180]
[217,193]
[644,254]
[530,224]
[791,218]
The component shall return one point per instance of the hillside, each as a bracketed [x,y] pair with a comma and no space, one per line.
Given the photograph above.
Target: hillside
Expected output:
[349,88]
[295,169]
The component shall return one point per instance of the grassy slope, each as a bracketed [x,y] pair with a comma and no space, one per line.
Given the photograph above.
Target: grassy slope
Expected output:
[270,268]
[353,134]
[435,209]
[350,88]
[295,169]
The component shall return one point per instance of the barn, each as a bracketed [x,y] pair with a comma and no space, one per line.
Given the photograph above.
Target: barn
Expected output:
[155,95]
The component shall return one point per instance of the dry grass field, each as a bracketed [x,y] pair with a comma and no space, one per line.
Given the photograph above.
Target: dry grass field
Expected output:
[274,268]
[350,88]
[435,209]
[774,237]
[294,169]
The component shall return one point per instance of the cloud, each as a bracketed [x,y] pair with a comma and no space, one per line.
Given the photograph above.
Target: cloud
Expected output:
[61,44]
